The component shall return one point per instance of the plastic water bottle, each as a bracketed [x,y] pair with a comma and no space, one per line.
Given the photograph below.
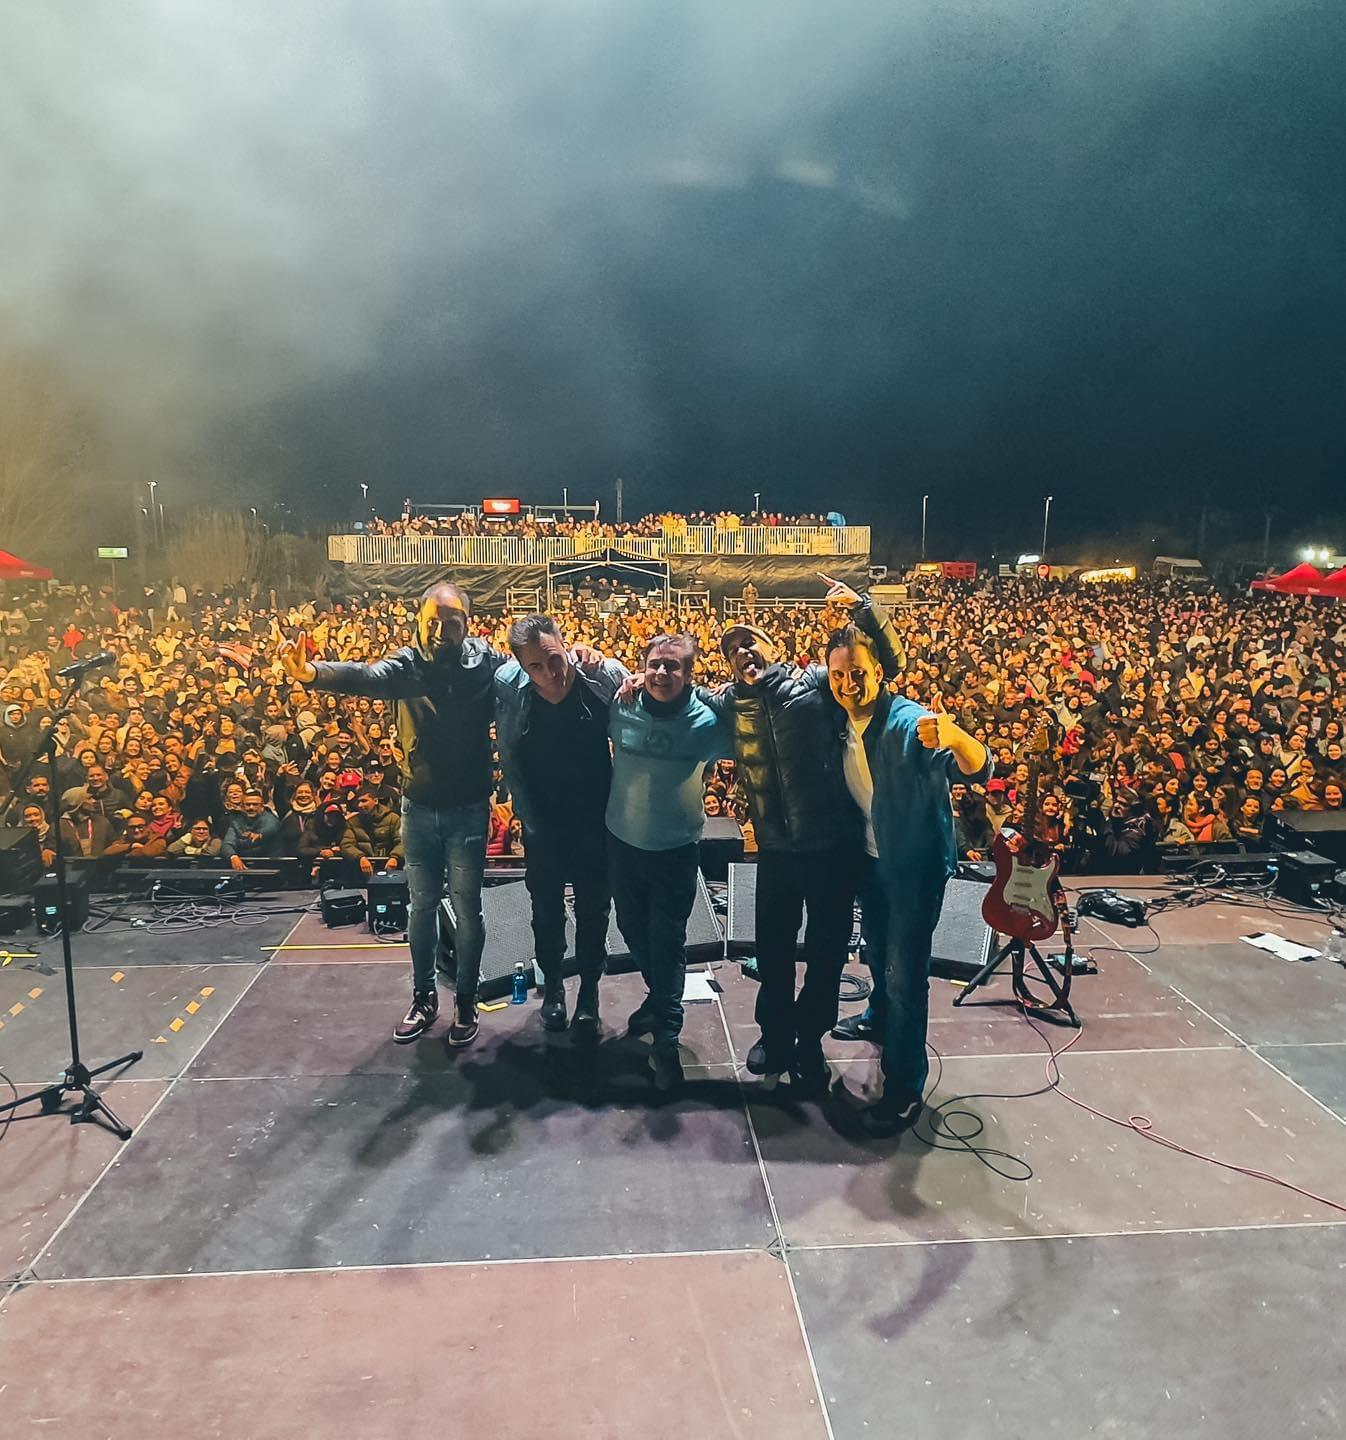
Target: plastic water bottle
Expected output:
[1335,949]
[519,994]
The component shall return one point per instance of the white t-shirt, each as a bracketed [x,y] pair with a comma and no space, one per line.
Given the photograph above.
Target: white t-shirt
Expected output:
[859,781]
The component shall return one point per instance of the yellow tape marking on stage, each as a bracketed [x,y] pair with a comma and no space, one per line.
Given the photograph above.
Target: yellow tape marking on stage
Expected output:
[366,945]
[7,956]
[158,1040]
[17,1008]
[192,1006]
[119,977]
[207,992]
[177,1023]
[35,992]
[503,1005]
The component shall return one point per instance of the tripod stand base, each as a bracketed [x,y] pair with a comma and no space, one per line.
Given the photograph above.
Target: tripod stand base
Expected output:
[1016,952]
[77,1081]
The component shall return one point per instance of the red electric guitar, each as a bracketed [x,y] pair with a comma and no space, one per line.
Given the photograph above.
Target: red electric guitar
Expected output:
[1025,898]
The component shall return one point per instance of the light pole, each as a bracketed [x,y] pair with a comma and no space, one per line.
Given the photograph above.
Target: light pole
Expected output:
[1046,515]
[154,512]
[925,504]
[565,500]
[757,502]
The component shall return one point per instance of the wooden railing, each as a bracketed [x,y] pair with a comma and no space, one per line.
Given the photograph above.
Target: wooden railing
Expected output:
[491,550]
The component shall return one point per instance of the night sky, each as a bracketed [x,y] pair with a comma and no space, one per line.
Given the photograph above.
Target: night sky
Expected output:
[844,254]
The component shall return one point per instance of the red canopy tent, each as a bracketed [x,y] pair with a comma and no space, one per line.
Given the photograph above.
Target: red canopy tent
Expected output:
[1305,579]
[12,568]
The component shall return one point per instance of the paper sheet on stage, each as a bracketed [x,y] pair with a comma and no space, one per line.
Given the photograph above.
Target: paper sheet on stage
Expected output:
[1279,946]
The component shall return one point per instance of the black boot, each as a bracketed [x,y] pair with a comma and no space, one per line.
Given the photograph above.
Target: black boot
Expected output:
[585,1024]
[895,1112]
[554,1003]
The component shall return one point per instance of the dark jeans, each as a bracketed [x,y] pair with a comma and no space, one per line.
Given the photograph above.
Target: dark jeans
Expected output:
[899,916]
[654,891]
[788,885]
[445,844]
[577,854]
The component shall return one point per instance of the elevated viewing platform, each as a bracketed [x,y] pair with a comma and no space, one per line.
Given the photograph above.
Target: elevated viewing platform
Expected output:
[513,549]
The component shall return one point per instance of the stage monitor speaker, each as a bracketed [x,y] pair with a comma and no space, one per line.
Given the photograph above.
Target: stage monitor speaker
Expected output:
[740,927]
[341,907]
[962,941]
[961,945]
[721,846]
[16,913]
[509,938]
[1322,830]
[46,901]
[705,939]
[20,859]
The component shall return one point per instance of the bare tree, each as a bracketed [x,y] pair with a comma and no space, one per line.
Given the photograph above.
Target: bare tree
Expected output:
[41,435]
[215,548]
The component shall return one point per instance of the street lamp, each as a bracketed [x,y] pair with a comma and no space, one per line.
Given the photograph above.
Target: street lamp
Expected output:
[925,505]
[1046,515]
[757,501]
[154,511]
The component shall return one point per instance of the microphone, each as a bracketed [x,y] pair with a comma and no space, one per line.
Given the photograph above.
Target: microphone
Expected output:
[94,662]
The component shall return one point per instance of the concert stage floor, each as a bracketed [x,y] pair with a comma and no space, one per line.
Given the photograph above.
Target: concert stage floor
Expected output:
[314,1232]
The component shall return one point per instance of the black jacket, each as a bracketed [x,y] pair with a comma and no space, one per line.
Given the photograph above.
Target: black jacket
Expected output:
[788,748]
[444,714]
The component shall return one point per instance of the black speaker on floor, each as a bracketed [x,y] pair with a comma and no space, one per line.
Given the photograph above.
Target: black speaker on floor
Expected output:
[705,939]
[721,846]
[47,905]
[341,907]
[388,901]
[509,937]
[962,941]
[20,859]
[16,913]
[960,947]
[740,924]
[1322,830]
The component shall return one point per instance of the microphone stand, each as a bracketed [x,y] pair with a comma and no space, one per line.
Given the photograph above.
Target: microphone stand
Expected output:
[77,1077]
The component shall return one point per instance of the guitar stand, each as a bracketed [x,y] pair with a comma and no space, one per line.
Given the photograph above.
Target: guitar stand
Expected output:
[1058,1009]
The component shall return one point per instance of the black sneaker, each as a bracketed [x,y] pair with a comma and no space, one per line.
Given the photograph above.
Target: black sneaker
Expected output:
[641,1021]
[554,1004]
[892,1115]
[856,1027]
[809,1075]
[421,1016]
[584,1025]
[666,1065]
[465,1024]
[761,1062]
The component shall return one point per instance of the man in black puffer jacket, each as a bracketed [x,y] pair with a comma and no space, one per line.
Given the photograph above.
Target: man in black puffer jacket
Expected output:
[810,836]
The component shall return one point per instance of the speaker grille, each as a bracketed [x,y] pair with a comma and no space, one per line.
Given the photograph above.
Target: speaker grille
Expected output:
[962,939]
[509,936]
[705,939]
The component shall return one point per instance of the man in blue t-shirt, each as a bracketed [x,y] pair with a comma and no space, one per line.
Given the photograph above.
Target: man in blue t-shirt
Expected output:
[662,740]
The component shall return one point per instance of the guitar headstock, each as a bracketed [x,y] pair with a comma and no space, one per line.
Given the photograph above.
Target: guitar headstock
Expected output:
[1039,739]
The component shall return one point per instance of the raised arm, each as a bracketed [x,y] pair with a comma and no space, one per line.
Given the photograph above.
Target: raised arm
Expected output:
[390,678]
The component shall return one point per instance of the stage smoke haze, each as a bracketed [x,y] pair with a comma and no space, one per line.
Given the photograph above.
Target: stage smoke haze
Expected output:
[844,254]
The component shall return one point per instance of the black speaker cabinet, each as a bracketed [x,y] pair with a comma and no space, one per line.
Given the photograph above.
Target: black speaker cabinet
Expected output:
[20,859]
[1322,830]
[509,937]
[721,846]
[46,902]
[705,939]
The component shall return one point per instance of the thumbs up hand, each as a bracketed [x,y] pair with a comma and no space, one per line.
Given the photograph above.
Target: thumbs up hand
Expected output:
[293,656]
[936,731]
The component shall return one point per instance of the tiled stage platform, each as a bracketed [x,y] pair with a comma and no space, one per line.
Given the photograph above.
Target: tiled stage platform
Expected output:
[314,1232]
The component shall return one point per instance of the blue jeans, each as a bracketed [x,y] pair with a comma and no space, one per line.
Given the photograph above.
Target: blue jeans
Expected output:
[440,840]
[898,919]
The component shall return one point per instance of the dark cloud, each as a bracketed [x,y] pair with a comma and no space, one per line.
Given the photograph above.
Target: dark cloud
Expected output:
[849,253]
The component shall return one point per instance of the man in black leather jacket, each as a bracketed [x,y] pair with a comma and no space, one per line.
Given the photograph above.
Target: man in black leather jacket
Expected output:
[810,834]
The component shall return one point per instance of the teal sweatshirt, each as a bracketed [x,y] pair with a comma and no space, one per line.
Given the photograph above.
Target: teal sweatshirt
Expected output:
[657,759]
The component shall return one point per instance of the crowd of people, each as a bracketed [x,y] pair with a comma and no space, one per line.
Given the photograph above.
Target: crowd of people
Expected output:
[1174,718]
[585,528]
